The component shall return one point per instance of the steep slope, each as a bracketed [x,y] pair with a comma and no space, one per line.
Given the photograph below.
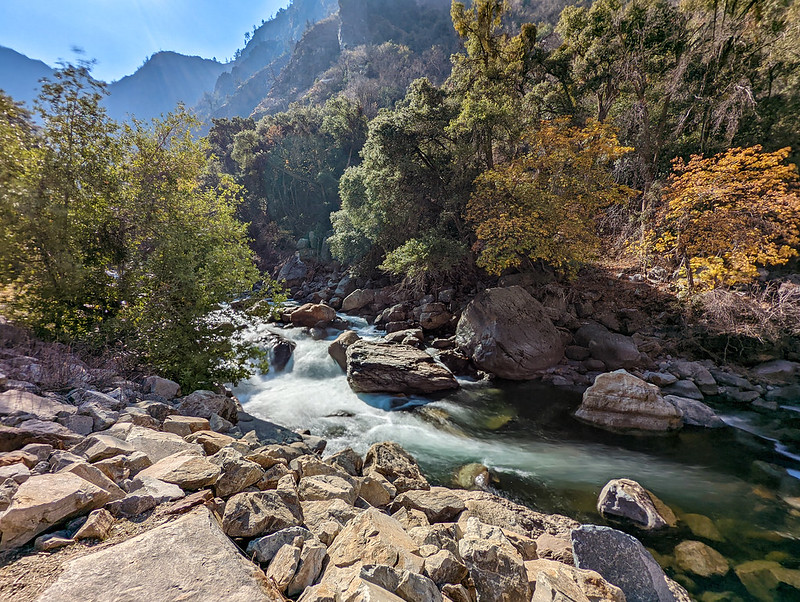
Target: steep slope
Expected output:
[166,79]
[20,75]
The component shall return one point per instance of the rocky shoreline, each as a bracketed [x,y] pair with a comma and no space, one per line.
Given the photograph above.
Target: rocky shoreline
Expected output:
[170,497]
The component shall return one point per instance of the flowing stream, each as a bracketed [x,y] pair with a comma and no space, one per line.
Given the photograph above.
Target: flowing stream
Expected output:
[744,478]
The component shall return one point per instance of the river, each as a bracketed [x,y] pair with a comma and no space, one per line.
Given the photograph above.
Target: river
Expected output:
[744,477]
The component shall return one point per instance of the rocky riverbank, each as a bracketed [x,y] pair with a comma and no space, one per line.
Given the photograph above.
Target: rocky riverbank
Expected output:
[135,492]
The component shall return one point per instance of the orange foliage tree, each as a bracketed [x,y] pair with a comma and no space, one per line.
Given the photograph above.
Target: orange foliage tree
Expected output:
[544,205]
[726,215]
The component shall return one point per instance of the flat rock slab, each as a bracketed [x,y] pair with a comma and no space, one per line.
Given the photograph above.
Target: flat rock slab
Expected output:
[14,402]
[395,368]
[189,559]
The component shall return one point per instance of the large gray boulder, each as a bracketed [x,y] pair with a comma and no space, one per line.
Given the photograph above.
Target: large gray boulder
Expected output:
[613,349]
[187,559]
[619,401]
[625,499]
[205,403]
[261,513]
[388,368]
[507,332]
[695,412]
[622,560]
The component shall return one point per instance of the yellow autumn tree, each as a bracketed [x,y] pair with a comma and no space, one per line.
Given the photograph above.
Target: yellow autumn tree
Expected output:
[544,205]
[724,216]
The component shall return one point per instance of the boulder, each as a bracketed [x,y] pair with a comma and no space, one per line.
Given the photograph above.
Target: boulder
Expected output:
[264,548]
[17,403]
[698,374]
[183,426]
[374,538]
[186,470]
[158,445]
[37,432]
[293,271]
[205,403]
[702,526]
[698,558]
[396,465]
[766,580]
[189,559]
[145,494]
[686,388]
[376,490]
[210,441]
[358,299]
[163,387]
[338,348]
[620,401]
[311,314]
[408,585]
[100,447]
[622,560]
[374,367]
[433,316]
[496,568]
[613,349]
[438,504]
[96,477]
[326,488]
[552,581]
[507,332]
[695,412]
[312,557]
[237,473]
[280,350]
[777,372]
[627,500]
[265,512]
[266,432]
[97,525]
[348,460]
[44,501]
[283,566]
[445,567]
[319,512]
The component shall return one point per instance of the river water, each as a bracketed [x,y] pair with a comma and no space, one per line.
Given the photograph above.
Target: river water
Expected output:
[744,478]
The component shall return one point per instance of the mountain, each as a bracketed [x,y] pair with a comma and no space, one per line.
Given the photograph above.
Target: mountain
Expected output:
[165,79]
[20,75]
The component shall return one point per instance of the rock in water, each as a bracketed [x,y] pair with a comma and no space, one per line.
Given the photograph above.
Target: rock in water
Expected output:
[622,560]
[338,349]
[695,412]
[626,499]
[389,368]
[280,351]
[619,401]
[507,332]
[187,559]
[312,314]
[700,559]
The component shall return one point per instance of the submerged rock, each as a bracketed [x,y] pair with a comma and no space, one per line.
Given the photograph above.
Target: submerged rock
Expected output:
[620,401]
[507,332]
[700,559]
[388,368]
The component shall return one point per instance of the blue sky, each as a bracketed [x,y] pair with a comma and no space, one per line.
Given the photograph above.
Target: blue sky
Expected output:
[121,34]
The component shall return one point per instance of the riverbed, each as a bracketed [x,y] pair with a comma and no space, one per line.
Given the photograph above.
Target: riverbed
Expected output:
[743,477]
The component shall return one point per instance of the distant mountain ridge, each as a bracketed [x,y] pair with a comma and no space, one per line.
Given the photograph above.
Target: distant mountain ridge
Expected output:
[20,75]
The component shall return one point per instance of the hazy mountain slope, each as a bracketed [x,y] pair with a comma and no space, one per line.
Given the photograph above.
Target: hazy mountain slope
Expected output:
[156,87]
[19,75]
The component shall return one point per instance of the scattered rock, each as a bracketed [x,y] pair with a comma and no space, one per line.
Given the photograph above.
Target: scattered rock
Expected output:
[684,388]
[438,504]
[100,447]
[210,441]
[338,349]
[695,412]
[507,332]
[552,581]
[158,445]
[97,525]
[265,512]
[237,473]
[162,387]
[626,499]
[183,426]
[264,548]
[397,465]
[18,403]
[348,460]
[777,372]
[280,351]
[700,559]
[763,578]
[326,488]
[445,567]
[613,349]
[620,401]
[702,526]
[205,403]
[186,470]
[311,314]
[358,299]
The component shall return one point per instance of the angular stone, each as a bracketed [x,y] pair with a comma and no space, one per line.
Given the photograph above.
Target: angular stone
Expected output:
[188,559]
[374,367]
[338,348]
[311,314]
[555,582]
[552,547]
[17,403]
[203,404]
[396,465]
[407,585]
[326,488]
[97,525]
[495,566]
[684,388]
[183,426]
[237,473]
[264,548]
[445,567]
[50,542]
[102,416]
[18,457]
[186,470]
[777,372]
[158,445]
[695,412]
[95,476]
[622,560]
[37,431]
[283,566]
[348,460]
[19,473]
[317,513]
[700,559]
[267,432]
[162,387]
[312,557]
[210,441]
[100,447]
[438,504]
[507,332]
[626,499]
[619,401]
[43,501]
[374,538]
[265,512]
[613,349]
[702,526]
[376,490]
[318,593]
